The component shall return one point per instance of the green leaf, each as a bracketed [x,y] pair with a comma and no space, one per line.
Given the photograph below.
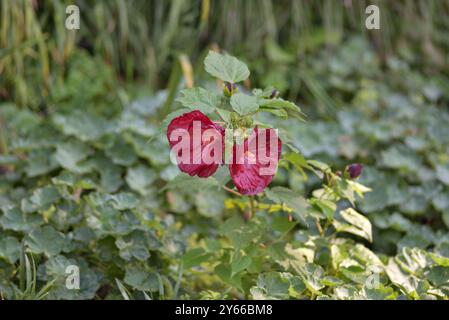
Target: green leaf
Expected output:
[140,178]
[380,293]
[46,240]
[41,199]
[10,249]
[244,104]
[439,275]
[69,154]
[83,125]
[141,279]
[194,257]
[271,286]
[110,173]
[124,200]
[240,233]
[17,220]
[184,181]
[226,67]
[283,105]
[291,199]
[282,224]
[69,179]
[357,224]
[133,246]
[277,112]
[40,162]
[224,114]
[443,174]
[210,202]
[199,99]
[240,264]
[121,153]
[312,276]
[399,277]
[298,161]
[328,207]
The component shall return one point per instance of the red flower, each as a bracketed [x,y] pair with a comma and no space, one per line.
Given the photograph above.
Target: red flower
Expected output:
[196,145]
[255,163]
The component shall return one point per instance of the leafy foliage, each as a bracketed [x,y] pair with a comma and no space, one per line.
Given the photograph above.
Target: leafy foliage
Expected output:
[94,188]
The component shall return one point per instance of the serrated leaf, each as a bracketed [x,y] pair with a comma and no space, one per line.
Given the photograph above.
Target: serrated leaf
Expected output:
[443,174]
[210,202]
[280,104]
[121,153]
[124,200]
[312,274]
[140,178]
[17,220]
[83,125]
[110,173]
[282,224]
[41,199]
[356,224]
[199,99]
[183,181]
[70,153]
[133,246]
[244,104]
[69,179]
[226,67]
[291,199]
[45,240]
[439,275]
[141,279]
[240,264]
[40,162]
[10,249]
[271,285]
[194,257]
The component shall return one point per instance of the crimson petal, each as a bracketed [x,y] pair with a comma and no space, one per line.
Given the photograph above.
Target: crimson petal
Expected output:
[185,121]
[250,177]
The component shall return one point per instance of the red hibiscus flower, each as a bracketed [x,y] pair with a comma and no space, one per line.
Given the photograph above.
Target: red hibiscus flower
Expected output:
[255,162]
[181,130]
[198,144]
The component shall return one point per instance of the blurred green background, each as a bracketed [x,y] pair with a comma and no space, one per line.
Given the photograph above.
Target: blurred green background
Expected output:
[141,40]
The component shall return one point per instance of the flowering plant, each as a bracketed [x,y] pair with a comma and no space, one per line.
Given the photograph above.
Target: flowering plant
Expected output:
[214,131]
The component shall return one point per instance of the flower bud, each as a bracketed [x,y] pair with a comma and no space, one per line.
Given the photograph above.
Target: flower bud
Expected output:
[247,122]
[229,89]
[354,170]
[274,94]
[235,119]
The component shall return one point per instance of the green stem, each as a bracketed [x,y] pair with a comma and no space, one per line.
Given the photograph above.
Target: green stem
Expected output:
[252,207]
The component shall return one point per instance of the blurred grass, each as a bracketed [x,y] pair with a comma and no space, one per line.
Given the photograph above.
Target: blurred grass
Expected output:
[143,40]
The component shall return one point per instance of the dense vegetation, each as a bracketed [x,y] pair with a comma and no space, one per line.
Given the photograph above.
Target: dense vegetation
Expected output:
[86,179]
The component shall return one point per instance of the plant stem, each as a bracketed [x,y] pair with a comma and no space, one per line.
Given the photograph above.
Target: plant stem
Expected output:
[233,191]
[252,209]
